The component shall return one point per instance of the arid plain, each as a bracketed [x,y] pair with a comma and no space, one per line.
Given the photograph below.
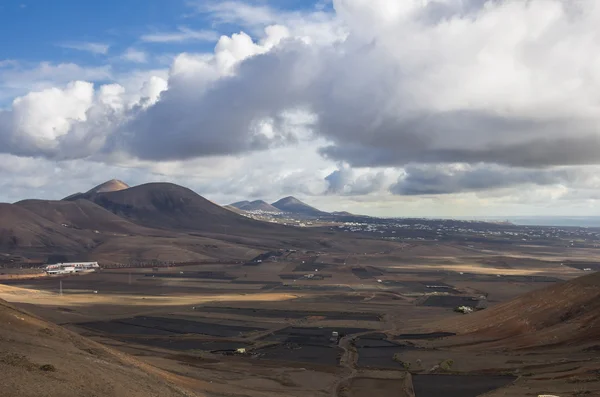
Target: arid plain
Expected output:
[393,311]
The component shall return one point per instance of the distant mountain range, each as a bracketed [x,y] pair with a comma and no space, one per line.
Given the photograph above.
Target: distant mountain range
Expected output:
[257,205]
[154,221]
[289,205]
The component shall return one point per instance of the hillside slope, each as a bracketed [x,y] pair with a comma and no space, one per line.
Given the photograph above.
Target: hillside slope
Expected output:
[42,359]
[565,313]
[81,214]
[21,229]
[114,185]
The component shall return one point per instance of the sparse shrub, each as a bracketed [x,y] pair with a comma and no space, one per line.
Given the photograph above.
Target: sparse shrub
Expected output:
[397,359]
[48,368]
[446,365]
[582,392]
[46,331]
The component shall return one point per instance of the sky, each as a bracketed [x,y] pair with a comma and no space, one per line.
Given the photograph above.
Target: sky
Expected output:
[440,108]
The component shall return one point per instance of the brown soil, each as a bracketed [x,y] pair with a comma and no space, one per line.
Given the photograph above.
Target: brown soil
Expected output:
[38,358]
[564,313]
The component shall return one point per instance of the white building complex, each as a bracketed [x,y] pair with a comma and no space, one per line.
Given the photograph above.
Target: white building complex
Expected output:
[74,267]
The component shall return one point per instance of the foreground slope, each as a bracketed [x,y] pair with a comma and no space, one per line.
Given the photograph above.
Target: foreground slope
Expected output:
[562,314]
[42,359]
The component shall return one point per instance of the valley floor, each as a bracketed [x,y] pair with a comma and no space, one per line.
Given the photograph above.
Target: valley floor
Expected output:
[322,324]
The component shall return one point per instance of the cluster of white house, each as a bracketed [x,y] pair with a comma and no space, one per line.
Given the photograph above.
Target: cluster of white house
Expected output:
[74,267]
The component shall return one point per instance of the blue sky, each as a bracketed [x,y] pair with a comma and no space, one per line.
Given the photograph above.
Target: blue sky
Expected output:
[39,29]
[53,30]
[104,40]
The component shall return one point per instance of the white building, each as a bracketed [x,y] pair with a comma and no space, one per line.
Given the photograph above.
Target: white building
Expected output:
[74,267]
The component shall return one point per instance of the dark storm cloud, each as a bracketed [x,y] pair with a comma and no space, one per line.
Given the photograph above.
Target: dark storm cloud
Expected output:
[464,136]
[440,179]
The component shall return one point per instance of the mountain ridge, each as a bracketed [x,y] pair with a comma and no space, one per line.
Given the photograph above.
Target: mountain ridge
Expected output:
[256,205]
[293,205]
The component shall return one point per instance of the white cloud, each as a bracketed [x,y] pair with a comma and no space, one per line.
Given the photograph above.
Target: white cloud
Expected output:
[182,34]
[6,63]
[134,55]
[60,123]
[57,73]
[20,78]
[315,26]
[94,48]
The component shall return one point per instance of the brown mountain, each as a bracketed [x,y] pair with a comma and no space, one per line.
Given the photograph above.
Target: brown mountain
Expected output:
[95,233]
[294,206]
[173,207]
[114,185]
[22,229]
[39,358]
[155,221]
[562,314]
[81,214]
